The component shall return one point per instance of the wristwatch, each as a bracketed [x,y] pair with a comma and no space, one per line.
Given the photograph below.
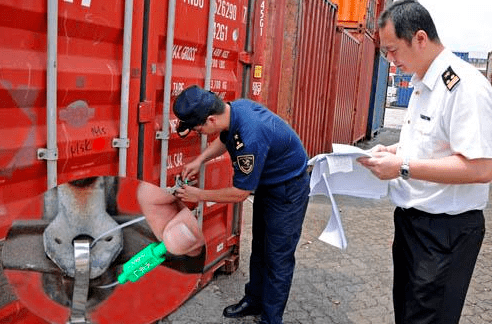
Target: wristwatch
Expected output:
[405,169]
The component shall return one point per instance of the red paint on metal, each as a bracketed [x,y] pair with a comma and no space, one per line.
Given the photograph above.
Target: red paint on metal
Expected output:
[89,88]
[258,74]
[148,299]
[15,312]
[27,286]
[364,87]
[312,114]
[347,50]
[276,22]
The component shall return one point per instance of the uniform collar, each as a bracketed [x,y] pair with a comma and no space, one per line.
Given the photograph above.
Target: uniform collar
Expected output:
[232,121]
[434,71]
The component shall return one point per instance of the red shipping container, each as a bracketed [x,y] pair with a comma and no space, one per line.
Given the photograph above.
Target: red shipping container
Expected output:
[94,81]
[345,76]
[303,82]
[366,70]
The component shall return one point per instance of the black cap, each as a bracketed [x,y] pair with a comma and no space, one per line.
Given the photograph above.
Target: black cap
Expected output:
[192,107]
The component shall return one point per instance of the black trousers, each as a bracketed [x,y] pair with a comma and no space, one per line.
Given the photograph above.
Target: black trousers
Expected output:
[433,258]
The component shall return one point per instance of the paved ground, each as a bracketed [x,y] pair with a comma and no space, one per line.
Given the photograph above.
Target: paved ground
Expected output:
[331,286]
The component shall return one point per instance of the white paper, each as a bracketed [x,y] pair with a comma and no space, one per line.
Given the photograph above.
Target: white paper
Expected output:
[339,164]
[346,175]
[333,233]
[340,173]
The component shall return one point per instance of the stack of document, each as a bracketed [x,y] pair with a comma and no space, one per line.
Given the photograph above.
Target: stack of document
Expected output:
[339,173]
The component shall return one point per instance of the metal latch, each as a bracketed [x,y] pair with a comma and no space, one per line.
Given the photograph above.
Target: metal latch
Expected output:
[82,258]
[161,135]
[121,142]
[46,154]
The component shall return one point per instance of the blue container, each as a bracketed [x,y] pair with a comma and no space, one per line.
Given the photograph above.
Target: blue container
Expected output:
[375,120]
[403,91]
[462,55]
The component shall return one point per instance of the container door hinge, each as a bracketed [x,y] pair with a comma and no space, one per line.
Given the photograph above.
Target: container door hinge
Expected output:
[145,112]
[245,58]
[46,154]
[121,143]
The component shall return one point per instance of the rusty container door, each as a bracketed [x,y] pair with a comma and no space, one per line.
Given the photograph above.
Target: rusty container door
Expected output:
[298,80]
[312,113]
[364,86]
[345,76]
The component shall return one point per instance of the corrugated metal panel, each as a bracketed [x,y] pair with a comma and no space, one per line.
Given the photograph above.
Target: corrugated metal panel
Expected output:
[347,51]
[189,55]
[90,39]
[311,108]
[378,96]
[403,90]
[365,72]
[88,96]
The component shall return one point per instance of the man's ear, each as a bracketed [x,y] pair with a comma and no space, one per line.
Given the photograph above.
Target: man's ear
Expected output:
[421,38]
[212,119]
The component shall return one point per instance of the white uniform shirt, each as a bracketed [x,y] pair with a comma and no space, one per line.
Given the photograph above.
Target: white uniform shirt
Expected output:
[442,120]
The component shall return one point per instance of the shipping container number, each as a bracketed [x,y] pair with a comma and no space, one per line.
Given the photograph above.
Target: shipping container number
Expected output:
[220,31]
[195,3]
[226,9]
[262,17]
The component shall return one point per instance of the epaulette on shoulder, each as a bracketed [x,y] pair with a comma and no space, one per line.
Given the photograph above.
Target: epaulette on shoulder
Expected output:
[450,78]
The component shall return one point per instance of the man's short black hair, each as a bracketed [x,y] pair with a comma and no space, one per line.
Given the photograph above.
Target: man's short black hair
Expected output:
[409,16]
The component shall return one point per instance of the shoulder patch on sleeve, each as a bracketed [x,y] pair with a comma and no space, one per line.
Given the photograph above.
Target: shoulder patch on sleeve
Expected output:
[246,163]
[450,78]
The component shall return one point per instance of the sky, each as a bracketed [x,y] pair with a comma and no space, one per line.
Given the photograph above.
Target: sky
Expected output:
[463,26]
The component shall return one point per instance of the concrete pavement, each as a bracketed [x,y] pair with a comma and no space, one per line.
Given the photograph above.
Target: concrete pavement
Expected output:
[331,286]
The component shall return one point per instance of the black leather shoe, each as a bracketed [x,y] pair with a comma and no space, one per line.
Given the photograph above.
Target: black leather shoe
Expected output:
[244,308]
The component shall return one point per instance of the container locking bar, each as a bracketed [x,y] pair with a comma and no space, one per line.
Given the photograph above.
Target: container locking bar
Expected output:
[81,284]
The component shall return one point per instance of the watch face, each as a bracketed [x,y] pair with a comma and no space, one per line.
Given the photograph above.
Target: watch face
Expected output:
[404,171]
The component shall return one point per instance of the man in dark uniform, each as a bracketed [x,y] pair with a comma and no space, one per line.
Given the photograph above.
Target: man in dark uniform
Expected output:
[269,159]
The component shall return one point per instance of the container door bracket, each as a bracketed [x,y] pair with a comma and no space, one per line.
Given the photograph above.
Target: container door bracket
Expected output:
[121,142]
[47,154]
[161,136]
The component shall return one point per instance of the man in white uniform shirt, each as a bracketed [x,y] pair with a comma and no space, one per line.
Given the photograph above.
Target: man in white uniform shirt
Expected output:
[439,170]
